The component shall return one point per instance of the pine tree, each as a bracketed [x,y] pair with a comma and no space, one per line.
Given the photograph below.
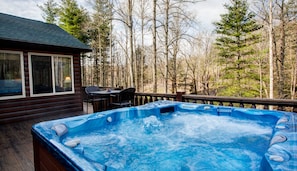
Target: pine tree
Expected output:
[73,19]
[100,34]
[236,35]
[50,10]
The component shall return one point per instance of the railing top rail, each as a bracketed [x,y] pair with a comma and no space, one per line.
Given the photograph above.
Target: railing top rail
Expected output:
[156,94]
[284,102]
[265,101]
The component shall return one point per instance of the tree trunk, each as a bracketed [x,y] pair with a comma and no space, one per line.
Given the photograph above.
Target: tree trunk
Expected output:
[174,67]
[127,64]
[111,55]
[166,44]
[295,74]
[142,48]
[130,25]
[271,78]
[281,93]
[155,46]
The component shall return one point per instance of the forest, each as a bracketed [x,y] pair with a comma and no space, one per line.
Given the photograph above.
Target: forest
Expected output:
[158,46]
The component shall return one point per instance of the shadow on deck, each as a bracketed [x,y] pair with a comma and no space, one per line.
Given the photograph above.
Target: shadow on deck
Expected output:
[16,147]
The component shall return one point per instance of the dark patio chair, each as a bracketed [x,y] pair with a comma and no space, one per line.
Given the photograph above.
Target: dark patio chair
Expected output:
[98,102]
[125,98]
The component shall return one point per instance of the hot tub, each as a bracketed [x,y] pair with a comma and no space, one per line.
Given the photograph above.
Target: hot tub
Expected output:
[166,135]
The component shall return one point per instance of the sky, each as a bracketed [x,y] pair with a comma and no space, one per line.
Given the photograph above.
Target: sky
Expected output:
[207,11]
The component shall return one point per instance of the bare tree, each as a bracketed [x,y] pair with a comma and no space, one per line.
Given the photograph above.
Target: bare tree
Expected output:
[124,14]
[171,7]
[276,14]
[202,65]
[285,17]
[142,14]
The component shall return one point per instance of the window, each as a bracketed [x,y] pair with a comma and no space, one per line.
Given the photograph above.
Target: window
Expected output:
[50,74]
[63,74]
[11,75]
[42,74]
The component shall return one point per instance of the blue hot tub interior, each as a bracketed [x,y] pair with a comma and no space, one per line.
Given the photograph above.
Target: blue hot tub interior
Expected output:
[135,138]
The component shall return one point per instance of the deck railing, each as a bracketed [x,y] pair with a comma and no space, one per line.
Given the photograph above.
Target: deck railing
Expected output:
[276,104]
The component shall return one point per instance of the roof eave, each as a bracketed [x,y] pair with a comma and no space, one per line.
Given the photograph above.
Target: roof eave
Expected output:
[39,46]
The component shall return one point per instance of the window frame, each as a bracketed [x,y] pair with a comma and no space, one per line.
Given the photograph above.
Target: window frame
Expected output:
[53,74]
[23,95]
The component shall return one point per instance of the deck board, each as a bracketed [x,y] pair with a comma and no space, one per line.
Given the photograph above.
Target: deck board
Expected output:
[16,147]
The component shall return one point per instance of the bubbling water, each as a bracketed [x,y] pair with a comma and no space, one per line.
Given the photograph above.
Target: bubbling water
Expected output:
[182,141]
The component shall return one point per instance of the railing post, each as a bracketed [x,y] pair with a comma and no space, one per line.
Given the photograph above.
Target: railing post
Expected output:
[241,105]
[179,95]
[281,108]
[266,107]
[145,100]
[295,109]
[135,101]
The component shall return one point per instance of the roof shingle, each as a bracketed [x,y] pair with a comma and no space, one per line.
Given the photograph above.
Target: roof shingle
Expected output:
[30,31]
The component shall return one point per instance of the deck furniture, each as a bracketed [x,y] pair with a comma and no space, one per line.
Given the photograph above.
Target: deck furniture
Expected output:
[107,95]
[98,101]
[125,98]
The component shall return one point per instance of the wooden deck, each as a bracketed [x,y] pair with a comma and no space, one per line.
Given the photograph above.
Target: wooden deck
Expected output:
[16,148]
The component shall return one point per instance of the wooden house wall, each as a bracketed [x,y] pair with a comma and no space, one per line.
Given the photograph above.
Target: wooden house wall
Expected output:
[31,107]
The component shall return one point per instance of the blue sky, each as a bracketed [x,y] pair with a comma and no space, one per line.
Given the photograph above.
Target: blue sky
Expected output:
[207,11]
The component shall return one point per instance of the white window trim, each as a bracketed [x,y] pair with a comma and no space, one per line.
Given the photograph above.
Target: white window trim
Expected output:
[22,75]
[53,75]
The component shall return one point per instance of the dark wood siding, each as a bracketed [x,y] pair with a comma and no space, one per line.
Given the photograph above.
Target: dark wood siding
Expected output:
[31,107]
[26,108]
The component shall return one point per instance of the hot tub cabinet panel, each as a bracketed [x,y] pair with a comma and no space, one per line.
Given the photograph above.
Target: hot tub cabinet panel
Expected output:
[49,158]
[44,160]
[53,150]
